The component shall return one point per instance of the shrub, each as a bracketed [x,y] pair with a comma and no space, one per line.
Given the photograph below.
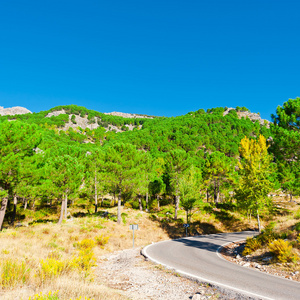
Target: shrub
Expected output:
[52,296]
[252,244]
[297,215]
[86,244]
[49,296]
[101,240]
[54,254]
[268,235]
[13,234]
[127,205]
[86,258]
[124,216]
[13,273]
[46,231]
[51,268]
[297,226]
[283,251]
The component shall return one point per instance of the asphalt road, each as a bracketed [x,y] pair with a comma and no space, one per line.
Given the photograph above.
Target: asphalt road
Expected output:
[197,257]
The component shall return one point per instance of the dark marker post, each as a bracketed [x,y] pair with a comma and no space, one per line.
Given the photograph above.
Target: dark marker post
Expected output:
[186,226]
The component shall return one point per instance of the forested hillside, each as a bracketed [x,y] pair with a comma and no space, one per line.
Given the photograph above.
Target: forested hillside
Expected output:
[94,174]
[48,158]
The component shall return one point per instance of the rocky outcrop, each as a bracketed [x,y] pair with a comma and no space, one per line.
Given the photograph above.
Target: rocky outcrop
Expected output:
[76,121]
[16,110]
[125,115]
[55,113]
[252,116]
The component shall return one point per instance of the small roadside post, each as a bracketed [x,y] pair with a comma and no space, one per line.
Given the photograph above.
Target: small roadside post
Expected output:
[186,226]
[133,227]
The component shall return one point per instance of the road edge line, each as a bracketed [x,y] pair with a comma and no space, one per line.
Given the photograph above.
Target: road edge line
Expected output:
[190,276]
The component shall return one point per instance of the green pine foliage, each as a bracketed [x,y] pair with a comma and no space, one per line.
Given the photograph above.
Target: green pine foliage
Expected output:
[173,160]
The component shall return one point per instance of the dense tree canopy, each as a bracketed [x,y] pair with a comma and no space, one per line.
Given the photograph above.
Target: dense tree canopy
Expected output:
[46,158]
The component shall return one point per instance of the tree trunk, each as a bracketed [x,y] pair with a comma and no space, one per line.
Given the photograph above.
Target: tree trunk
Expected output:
[15,210]
[207,196]
[96,193]
[113,201]
[2,210]
[258,222]
[101,204]
[177,198]
[147,200]
[119,208]
[215,191]
[291,197]
[66,206]
[187,217]
[158,206]
[140,203]
[25,204]
[62,211]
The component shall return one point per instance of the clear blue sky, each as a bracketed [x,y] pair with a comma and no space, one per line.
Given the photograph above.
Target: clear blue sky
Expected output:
[163,57]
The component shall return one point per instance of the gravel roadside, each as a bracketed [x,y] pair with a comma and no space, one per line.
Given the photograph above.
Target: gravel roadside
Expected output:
[233,252]
[130,272]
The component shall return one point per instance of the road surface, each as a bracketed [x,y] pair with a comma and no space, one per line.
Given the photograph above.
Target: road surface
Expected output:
[198,257]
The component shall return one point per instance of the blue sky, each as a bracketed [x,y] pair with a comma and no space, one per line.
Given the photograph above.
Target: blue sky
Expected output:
[153,57]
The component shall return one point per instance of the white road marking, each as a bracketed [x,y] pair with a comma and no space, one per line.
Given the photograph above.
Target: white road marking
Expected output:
[144,251]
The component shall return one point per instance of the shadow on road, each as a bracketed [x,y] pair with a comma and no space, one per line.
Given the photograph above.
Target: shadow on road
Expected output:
[214,241]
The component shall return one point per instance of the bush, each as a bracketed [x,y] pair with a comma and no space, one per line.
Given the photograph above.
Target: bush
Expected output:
[86,244]
[127,205]
[252,244]
[124,216]
[297,215]
[51,268]
[101,240]
[297,226]
[283,251]
[52,296]
[268,235]
[49,296]
[86,258]
[13,273]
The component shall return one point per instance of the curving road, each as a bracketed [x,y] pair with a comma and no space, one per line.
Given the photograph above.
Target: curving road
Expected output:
[198,257]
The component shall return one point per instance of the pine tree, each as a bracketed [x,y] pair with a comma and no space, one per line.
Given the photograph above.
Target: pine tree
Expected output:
[219,169]
[17,141]
[122,164]
[177,161]
[65,169]
[189,187]
[286,144]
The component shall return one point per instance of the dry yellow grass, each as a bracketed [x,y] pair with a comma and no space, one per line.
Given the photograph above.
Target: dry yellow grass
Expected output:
[40,241]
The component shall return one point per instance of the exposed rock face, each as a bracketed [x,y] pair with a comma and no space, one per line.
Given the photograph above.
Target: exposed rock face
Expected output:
[125,115]
[16,110]
[56,113]
[252,116]
[84,123]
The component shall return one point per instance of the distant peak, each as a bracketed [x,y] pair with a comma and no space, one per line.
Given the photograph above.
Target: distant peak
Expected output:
[16,110]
